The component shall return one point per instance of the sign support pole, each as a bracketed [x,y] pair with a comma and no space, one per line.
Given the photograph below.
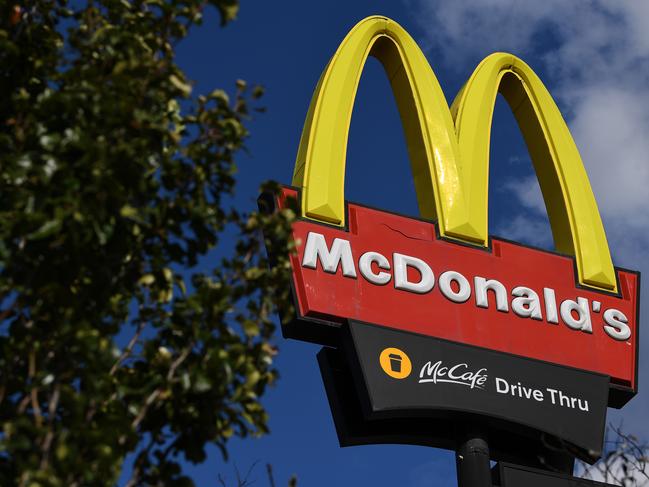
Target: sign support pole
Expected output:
[472,460]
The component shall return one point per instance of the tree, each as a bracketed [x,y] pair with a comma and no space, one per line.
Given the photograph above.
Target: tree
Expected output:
[625,460]
[114,181]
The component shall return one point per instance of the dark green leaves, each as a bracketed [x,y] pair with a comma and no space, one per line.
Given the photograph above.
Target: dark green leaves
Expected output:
[114,178]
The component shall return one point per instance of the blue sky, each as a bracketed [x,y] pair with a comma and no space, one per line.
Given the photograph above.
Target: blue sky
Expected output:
[594,59]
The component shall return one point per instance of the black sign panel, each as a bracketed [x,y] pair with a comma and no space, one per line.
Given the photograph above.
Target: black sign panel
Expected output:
[402,374]
[519,476]
[508,442]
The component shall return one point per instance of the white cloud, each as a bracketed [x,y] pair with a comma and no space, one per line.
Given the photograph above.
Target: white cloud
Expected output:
[528,192]
[526,229]
[611,126]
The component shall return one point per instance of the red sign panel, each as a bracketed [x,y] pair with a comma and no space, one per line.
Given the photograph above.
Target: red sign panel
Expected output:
[396,272]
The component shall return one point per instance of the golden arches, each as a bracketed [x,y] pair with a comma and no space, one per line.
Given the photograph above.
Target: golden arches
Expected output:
[449,149]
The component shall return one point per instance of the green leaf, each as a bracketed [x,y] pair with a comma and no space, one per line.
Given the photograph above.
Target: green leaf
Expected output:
[250,328]
[228,10]
[146,280]
[183,86]
[45,230]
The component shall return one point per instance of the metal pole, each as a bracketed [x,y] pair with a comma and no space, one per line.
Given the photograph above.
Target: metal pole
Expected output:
[472,460]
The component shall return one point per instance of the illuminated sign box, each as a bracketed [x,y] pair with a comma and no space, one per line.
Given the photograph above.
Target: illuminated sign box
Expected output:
[396,271]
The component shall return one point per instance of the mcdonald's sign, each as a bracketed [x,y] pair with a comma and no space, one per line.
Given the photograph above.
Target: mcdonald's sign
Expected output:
[442,275]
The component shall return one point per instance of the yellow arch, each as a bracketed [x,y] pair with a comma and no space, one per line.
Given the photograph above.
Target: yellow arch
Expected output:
[574,217]
[451,170]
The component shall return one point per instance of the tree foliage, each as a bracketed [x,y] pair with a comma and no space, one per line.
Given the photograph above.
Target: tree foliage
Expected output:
[115,183]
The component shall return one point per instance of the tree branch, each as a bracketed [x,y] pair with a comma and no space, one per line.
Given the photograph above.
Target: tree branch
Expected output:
[129,348]
[51,414]
[156,394]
